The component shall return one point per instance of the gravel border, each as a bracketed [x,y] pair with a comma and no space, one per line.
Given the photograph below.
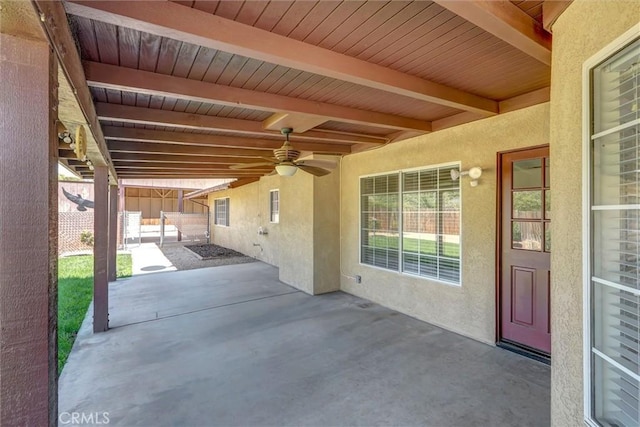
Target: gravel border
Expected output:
[185,259]
[211,251]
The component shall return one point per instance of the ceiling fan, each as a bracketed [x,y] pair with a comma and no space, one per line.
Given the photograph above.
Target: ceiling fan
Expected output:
[286,161]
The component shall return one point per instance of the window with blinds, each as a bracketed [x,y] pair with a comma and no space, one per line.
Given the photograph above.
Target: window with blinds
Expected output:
[410,222]
[379,223]
[614,282]
[221,211]
[274,206]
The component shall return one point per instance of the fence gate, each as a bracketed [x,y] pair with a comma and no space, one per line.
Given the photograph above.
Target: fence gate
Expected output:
[193,226]
[131,226]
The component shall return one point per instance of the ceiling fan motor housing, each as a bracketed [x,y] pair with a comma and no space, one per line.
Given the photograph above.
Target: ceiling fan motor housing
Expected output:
[286,152]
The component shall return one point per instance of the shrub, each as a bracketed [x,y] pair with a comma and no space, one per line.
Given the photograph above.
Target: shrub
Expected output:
[86,237]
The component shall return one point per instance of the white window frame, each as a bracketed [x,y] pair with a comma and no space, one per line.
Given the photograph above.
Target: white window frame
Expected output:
[587,107]
[274,213]
[400,270]
[215,212]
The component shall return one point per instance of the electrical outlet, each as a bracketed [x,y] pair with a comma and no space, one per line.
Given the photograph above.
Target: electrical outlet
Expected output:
[358,279]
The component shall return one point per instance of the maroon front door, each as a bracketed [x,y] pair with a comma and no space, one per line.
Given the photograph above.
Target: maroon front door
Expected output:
[524,281]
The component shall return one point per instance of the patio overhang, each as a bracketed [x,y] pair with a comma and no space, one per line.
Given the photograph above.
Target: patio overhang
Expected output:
[189,90]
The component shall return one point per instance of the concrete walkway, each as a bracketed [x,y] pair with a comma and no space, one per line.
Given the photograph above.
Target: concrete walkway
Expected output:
[148,258]
[233,346]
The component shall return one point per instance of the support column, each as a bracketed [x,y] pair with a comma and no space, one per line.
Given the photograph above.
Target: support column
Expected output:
[101,249]
[121,193]
[113,232]
[180,209]
[28,233]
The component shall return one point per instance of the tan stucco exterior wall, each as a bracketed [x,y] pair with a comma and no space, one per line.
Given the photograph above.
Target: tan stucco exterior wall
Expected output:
[249,210]
[468,309]
[581,31]
[326,242]
[296,217]
[304,244]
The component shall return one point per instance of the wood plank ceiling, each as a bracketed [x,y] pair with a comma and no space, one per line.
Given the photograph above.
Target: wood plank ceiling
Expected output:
[188,88]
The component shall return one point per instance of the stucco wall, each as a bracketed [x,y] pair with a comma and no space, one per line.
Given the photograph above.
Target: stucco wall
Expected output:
[468,309]
[582,30]
[296,217]
[304,244]
[326,244]
[249,210]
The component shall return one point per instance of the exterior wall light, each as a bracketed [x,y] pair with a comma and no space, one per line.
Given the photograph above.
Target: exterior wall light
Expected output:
[474,173]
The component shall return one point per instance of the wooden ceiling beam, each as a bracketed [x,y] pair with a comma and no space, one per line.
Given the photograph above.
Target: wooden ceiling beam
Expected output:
[551,11]
[168,158]
[529,99]
[243,181]
[299,122]
[113,77]
[148,135]
[506,21]
[156,117]
[182,174]
[145,147]
[76,102]
[168,19]
[184,165]
[187,169]
[456,120]
[67,154]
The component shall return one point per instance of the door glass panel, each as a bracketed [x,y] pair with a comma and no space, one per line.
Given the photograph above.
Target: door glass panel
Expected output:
[526,235]
[527,204]
[547,237]
[527,173]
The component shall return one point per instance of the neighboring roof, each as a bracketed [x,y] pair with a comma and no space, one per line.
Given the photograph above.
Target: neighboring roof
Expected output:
[187,183]
[205,191]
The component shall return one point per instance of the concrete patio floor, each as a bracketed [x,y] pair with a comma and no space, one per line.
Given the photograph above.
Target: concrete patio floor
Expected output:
[233,346]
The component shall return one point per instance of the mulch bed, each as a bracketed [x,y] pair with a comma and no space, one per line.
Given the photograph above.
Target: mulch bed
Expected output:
[211,251]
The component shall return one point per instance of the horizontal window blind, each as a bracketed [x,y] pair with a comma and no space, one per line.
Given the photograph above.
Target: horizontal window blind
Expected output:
[410,222]
[615,237]
[274,206]
[379,240]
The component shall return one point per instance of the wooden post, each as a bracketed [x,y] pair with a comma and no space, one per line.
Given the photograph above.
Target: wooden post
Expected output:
[122,207]
[113,232]
[121,194]
[28,233]
[180,209]
[101,249]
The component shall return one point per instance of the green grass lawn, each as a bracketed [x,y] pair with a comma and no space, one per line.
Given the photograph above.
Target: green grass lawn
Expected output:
[75,291]
[427,247]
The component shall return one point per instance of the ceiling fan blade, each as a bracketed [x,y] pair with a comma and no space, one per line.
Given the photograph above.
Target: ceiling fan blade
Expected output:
[319,163]
[315,171]
[250,165]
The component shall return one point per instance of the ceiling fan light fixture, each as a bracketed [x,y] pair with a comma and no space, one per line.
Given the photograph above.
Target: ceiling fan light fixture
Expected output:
[286,170]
